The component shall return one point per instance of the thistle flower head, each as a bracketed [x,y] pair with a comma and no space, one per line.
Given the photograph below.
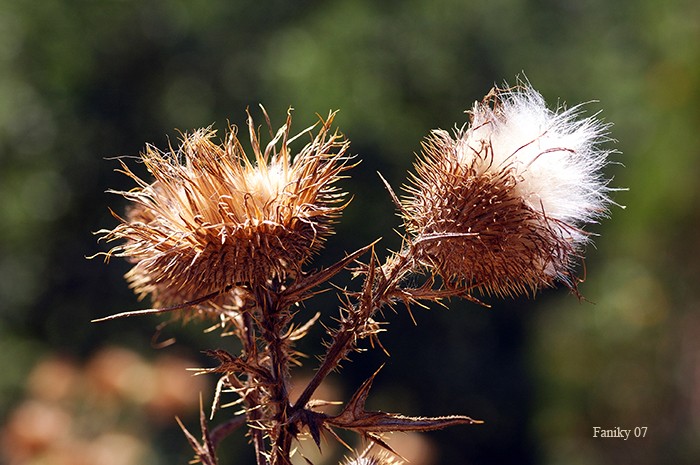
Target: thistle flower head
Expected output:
[213,219]
[499,205]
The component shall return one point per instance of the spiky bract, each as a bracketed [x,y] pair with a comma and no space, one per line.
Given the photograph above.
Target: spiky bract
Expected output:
[213,219]
[380,458]
[499,207]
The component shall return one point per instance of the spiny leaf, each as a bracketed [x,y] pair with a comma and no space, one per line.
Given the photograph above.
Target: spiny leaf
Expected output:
[355,417]
[294,334]
[302,286]
[393,195]
[153,311]
[204,451]
[381,422]
[231,363]
[224,429]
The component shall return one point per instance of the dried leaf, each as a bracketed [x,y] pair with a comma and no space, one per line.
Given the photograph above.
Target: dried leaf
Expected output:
[154,311]
[205,452]
[303,285]
[294,334]
[355,417]
[393,195]
[230,363]
[314,421]
[224,429]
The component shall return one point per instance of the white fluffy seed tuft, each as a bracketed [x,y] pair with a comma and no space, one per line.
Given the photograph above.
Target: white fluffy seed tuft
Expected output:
[555,156]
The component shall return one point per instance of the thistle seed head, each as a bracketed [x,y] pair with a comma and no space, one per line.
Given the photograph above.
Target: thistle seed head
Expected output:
[499,205]
[213,219]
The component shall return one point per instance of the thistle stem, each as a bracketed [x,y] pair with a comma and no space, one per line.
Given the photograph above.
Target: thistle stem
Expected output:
[374,296]
[275,320]
[251,399]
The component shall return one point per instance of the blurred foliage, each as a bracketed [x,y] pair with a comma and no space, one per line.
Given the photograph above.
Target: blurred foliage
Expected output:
[81,82]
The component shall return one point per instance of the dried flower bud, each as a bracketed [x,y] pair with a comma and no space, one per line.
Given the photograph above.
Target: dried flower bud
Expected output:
[499,207]
[214,219]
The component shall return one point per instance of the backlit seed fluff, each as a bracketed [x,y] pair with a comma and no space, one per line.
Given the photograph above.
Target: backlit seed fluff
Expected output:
[499,205]
[213,219]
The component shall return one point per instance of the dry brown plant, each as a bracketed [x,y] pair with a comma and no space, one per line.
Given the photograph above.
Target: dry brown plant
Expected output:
[495,209]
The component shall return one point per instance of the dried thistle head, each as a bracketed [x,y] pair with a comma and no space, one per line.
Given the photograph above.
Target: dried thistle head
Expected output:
[499,207]
[213,219]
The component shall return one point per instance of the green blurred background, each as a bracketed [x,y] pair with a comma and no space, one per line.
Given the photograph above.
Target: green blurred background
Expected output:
[83,81]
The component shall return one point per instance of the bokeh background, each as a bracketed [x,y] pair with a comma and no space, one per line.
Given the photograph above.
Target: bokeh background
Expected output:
[82,82]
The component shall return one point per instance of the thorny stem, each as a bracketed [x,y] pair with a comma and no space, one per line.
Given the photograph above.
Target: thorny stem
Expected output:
[251,398]
[273,421]
[275,320]
[346,337]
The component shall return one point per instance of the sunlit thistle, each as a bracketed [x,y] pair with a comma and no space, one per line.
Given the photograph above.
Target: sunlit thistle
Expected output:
[499,206]
[214,219]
